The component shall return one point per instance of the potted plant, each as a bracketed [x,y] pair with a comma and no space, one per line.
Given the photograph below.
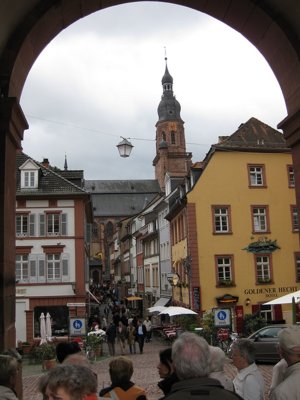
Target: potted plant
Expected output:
[95,343]
[46,354]
[25,347]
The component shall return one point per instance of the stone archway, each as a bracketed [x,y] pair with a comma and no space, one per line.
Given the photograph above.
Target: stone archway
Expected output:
[264,26]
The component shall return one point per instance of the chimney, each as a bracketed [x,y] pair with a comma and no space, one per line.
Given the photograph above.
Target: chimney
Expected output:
[45,163]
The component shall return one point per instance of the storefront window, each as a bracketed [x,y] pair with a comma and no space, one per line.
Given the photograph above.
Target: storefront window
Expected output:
[59,320]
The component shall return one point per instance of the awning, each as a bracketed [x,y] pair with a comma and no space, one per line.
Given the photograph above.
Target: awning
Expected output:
[133,298]
[286,299]
[163,301]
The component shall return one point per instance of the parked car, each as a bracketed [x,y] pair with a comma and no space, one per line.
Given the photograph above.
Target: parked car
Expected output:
[265,342]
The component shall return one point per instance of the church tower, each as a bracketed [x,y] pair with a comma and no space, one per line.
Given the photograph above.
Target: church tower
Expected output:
[171,156]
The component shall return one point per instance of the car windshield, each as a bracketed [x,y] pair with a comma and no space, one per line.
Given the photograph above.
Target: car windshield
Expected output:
[269,332]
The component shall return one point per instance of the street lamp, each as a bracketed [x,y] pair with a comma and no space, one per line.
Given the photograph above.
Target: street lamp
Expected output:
[124,147]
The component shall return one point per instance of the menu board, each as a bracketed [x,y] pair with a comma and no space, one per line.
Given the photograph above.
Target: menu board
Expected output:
[196,298]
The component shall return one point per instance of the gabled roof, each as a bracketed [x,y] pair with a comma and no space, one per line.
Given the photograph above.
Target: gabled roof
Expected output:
[120,198]
[253,135]
[50,181]
[122,186]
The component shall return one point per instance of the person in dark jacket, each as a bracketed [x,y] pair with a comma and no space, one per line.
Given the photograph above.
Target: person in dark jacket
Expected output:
[166,371]
[111,334]
[141,333]
[191,361]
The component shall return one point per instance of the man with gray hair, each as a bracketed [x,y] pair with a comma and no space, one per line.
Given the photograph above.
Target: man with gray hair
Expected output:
[249,382]
[8,375]
[289,348]
[191,361]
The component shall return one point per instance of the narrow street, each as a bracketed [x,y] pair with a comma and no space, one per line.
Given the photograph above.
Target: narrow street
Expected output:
[145,372]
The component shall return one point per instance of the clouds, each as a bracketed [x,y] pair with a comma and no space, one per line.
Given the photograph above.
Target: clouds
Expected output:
[101,79]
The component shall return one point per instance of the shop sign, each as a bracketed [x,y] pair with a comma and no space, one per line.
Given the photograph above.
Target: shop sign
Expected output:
[271,291]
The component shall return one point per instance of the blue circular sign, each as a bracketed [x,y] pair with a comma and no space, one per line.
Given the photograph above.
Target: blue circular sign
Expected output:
[222,315]
[77,324]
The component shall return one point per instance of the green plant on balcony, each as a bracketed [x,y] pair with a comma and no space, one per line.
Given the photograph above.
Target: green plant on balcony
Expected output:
[262,245]
[225,282]
[264,280]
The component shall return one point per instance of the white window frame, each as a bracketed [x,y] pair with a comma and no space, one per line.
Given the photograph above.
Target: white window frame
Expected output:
[224,268]
[260,220]
[221,219]
[263,267]
[256,175]
[22,268]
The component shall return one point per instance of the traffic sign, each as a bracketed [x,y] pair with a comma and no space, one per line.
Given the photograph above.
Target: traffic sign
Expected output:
[222,317]
[77,326]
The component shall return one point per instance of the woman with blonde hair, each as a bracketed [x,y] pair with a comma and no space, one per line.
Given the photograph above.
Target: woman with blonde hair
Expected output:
[120,371]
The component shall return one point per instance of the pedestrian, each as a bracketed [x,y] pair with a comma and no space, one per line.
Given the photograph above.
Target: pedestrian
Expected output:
[217,363]
[111,334]
[191,361]
[140,335]
[69,382]
[278,373]
[148,326]
[249,382]
[122,336]
[131,334]
[289,347]
[104,323]
[166,371]
[8,377]
[120,371]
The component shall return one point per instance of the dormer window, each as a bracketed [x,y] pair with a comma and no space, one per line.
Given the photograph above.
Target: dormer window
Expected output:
[29,175]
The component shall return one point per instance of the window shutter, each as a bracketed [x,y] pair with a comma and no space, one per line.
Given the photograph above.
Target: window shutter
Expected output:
[42,270]
[42,224]
[32,225]
[278,313]
[64,230]
[255,308]
[65,268]
[32,270]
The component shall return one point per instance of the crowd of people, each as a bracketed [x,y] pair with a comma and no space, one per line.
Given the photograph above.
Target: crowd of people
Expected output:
[190,369]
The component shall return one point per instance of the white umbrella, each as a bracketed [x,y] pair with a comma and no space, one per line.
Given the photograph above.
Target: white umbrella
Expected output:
[48,327]
[286,299]
[43,328]
[172,311]
[156,309]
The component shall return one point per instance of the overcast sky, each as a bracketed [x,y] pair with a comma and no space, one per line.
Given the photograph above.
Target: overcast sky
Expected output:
[101,79]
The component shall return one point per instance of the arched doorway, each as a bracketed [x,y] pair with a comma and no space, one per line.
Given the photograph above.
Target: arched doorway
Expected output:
[28,30]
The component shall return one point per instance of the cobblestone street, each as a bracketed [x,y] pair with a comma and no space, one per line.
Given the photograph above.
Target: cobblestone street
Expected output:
[145,372]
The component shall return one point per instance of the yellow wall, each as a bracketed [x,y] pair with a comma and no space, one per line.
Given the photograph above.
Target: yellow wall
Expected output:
[225,182]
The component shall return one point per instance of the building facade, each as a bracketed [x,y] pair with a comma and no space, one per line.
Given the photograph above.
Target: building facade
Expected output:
[53,216]
[247,224]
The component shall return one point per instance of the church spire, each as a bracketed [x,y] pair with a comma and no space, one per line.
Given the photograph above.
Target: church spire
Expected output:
[66,163]
[168,108]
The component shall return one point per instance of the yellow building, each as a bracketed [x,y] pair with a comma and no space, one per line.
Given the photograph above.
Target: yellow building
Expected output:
[247,250]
